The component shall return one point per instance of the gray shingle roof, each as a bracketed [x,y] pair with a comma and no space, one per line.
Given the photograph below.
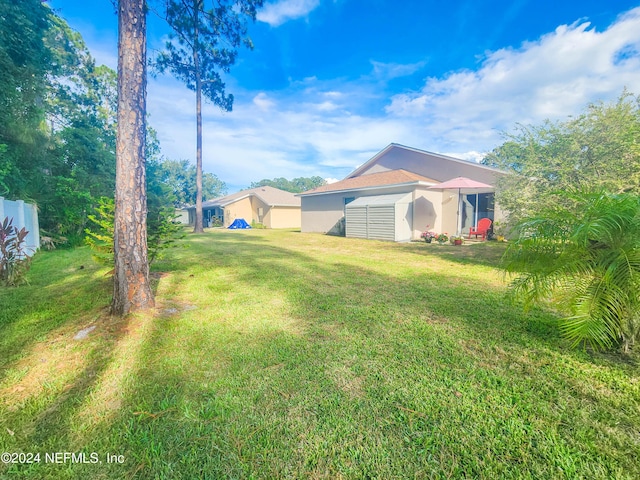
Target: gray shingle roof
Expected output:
[274,197]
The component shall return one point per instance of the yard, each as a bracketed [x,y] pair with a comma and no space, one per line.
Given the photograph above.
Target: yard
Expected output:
[276,354]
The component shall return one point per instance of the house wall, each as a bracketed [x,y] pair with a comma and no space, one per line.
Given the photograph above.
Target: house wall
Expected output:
[449,206]
[436,208]
[240,209]
[323,213]
[256,205]
[427,215]
[182,216]
[404,221]
[283,217]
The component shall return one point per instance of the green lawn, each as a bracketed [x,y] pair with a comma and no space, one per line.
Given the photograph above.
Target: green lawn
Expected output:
[277,354]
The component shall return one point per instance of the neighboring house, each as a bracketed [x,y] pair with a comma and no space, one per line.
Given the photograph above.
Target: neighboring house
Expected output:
[182,216]
[390,197]
[272,207]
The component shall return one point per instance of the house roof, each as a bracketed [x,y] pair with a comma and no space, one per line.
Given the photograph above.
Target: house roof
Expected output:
[273,197]
[391,177]
[398,147]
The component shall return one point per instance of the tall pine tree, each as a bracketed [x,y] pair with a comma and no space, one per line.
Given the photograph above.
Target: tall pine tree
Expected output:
[205,42]
[131,275]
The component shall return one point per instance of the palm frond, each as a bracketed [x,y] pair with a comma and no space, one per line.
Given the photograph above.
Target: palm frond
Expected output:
[586,257]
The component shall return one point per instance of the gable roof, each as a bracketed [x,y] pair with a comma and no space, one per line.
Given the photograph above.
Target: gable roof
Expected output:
[273,197]
[435,165]
[380,179]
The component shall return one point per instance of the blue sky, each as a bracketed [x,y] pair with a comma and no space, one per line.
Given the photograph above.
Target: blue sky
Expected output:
[332,82]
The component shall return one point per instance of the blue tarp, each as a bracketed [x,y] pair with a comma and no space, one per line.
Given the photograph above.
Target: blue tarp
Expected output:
[239,223]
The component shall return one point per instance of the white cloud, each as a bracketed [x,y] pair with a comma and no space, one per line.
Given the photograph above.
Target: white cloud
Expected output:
[550,78]
[262,101]
[279,12]
[388,71]
[329,127]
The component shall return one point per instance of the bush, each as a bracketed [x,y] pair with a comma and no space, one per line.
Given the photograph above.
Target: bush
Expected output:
[100,238]
[587,262]
[162,231]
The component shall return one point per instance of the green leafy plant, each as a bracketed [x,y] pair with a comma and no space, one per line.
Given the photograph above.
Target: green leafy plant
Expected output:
[597,148]
[441,238]
[14,258]
[100,238]
[162,231]
[584,255]
[215,223]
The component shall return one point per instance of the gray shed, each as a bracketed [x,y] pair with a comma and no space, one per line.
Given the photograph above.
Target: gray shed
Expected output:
[380,217]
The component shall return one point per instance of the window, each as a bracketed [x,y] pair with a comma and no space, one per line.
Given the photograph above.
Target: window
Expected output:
[476,206]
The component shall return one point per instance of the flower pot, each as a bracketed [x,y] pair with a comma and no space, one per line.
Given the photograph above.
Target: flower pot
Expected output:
[428,239]
[457,242]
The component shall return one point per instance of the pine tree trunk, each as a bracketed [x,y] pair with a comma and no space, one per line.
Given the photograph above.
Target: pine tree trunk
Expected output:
[131,275]
[199,221]
[196,62]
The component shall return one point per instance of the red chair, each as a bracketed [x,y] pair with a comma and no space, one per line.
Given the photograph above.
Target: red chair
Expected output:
[484,224]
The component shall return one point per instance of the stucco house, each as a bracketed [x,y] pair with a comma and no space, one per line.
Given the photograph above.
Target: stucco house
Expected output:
[394,196]
[272,207]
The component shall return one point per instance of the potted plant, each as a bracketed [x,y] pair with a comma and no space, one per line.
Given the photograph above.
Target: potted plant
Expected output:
[457,240]
[441,238]
[428,235]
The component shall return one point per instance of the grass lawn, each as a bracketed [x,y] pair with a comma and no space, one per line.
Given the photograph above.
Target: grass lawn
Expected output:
[277,354]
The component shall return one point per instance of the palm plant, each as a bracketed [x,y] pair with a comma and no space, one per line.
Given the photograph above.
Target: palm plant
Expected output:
[584,255]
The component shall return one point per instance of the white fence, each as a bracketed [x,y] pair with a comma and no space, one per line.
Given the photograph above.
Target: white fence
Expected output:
[24,215]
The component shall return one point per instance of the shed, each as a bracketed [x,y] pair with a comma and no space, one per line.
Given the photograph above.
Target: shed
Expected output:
[380,217]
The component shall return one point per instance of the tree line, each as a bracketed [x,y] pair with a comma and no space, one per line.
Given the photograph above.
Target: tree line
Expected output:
[296,185]
[58,127]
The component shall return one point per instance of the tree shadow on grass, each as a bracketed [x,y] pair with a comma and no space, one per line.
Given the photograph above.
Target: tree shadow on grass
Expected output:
[211,389]
[309,280]
[214,394]
[55,303]
[487,253]
[46,416]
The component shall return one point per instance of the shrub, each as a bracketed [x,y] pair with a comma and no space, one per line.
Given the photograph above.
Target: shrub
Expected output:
[585,258]
[162,231]
[100,238]
[441,238]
